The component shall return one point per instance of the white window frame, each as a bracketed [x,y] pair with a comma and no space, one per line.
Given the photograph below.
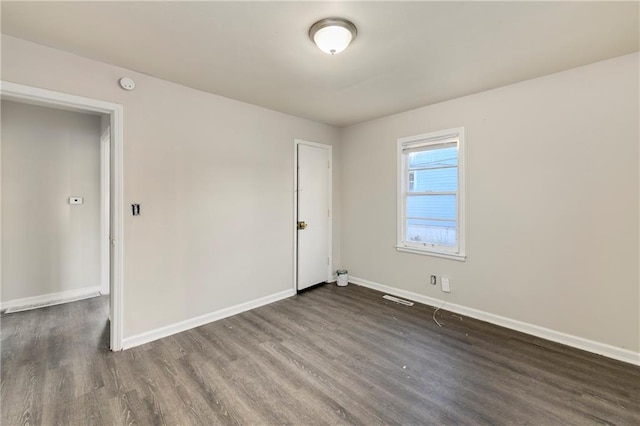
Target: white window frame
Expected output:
[433,138]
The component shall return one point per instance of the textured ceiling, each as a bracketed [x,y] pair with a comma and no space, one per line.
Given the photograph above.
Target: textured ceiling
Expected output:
[406,55]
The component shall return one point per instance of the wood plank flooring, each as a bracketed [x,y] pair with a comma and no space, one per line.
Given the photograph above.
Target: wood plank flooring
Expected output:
[333,355]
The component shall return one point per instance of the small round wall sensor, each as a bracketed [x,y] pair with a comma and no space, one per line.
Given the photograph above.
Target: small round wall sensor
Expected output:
[127,84]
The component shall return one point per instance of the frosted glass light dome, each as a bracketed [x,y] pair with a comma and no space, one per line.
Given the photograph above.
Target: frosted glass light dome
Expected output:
[332,35]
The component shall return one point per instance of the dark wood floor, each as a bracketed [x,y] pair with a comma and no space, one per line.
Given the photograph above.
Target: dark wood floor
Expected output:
[331,355]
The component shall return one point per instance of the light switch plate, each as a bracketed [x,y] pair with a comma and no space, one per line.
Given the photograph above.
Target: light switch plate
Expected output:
[76,200]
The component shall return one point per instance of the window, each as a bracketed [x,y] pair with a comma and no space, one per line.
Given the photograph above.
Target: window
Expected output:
[431,194]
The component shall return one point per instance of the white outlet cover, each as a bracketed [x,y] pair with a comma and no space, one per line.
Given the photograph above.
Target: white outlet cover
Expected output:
[127,84]
[446,287]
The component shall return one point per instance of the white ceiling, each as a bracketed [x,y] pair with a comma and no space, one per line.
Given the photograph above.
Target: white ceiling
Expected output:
[406,55]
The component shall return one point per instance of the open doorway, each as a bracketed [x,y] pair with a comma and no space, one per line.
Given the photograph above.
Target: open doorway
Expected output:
[61,202]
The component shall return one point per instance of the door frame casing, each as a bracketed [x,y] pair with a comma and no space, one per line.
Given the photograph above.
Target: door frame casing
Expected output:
[49,98]
[105,207]
[329,148]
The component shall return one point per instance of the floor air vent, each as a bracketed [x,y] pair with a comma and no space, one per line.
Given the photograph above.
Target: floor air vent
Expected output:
[397,300]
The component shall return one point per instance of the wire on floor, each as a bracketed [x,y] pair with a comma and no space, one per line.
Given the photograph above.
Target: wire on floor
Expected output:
[436,311]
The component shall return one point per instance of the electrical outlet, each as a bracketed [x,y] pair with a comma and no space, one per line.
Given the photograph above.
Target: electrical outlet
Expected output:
[446,286]
[433,280]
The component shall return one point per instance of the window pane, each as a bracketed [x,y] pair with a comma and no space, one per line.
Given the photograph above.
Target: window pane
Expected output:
[431,206]
[437,232]
[434,158]
[433,180]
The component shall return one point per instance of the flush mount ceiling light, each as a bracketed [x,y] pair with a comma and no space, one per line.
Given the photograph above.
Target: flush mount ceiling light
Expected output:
[332,35]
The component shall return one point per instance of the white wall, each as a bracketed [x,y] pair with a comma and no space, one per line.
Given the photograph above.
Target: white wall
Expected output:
[552,202]
[49,246]
[214,178]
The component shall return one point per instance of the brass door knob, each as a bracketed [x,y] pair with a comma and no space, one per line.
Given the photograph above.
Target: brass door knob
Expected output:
[302,225]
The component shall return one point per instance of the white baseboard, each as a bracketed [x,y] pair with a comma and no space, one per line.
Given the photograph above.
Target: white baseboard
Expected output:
[604,349]
[52,298]
[158,333]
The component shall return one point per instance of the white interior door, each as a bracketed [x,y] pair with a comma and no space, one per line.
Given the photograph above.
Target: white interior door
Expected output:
[313,215]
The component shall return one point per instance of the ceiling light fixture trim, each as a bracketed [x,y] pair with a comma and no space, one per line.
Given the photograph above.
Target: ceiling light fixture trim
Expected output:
[333,35]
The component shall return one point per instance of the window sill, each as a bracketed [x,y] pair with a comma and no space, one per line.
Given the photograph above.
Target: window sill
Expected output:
[450,256]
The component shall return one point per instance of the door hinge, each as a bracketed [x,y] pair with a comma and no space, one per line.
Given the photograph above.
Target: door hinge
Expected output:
[328,261]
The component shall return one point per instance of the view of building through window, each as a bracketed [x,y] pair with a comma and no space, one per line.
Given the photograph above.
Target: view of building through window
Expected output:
[431,195]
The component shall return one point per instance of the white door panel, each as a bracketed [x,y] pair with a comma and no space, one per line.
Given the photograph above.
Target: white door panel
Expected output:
[313,210]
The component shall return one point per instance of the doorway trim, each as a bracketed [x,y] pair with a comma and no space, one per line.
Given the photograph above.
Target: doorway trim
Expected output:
[49,98]
[297,142]
[105,205]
